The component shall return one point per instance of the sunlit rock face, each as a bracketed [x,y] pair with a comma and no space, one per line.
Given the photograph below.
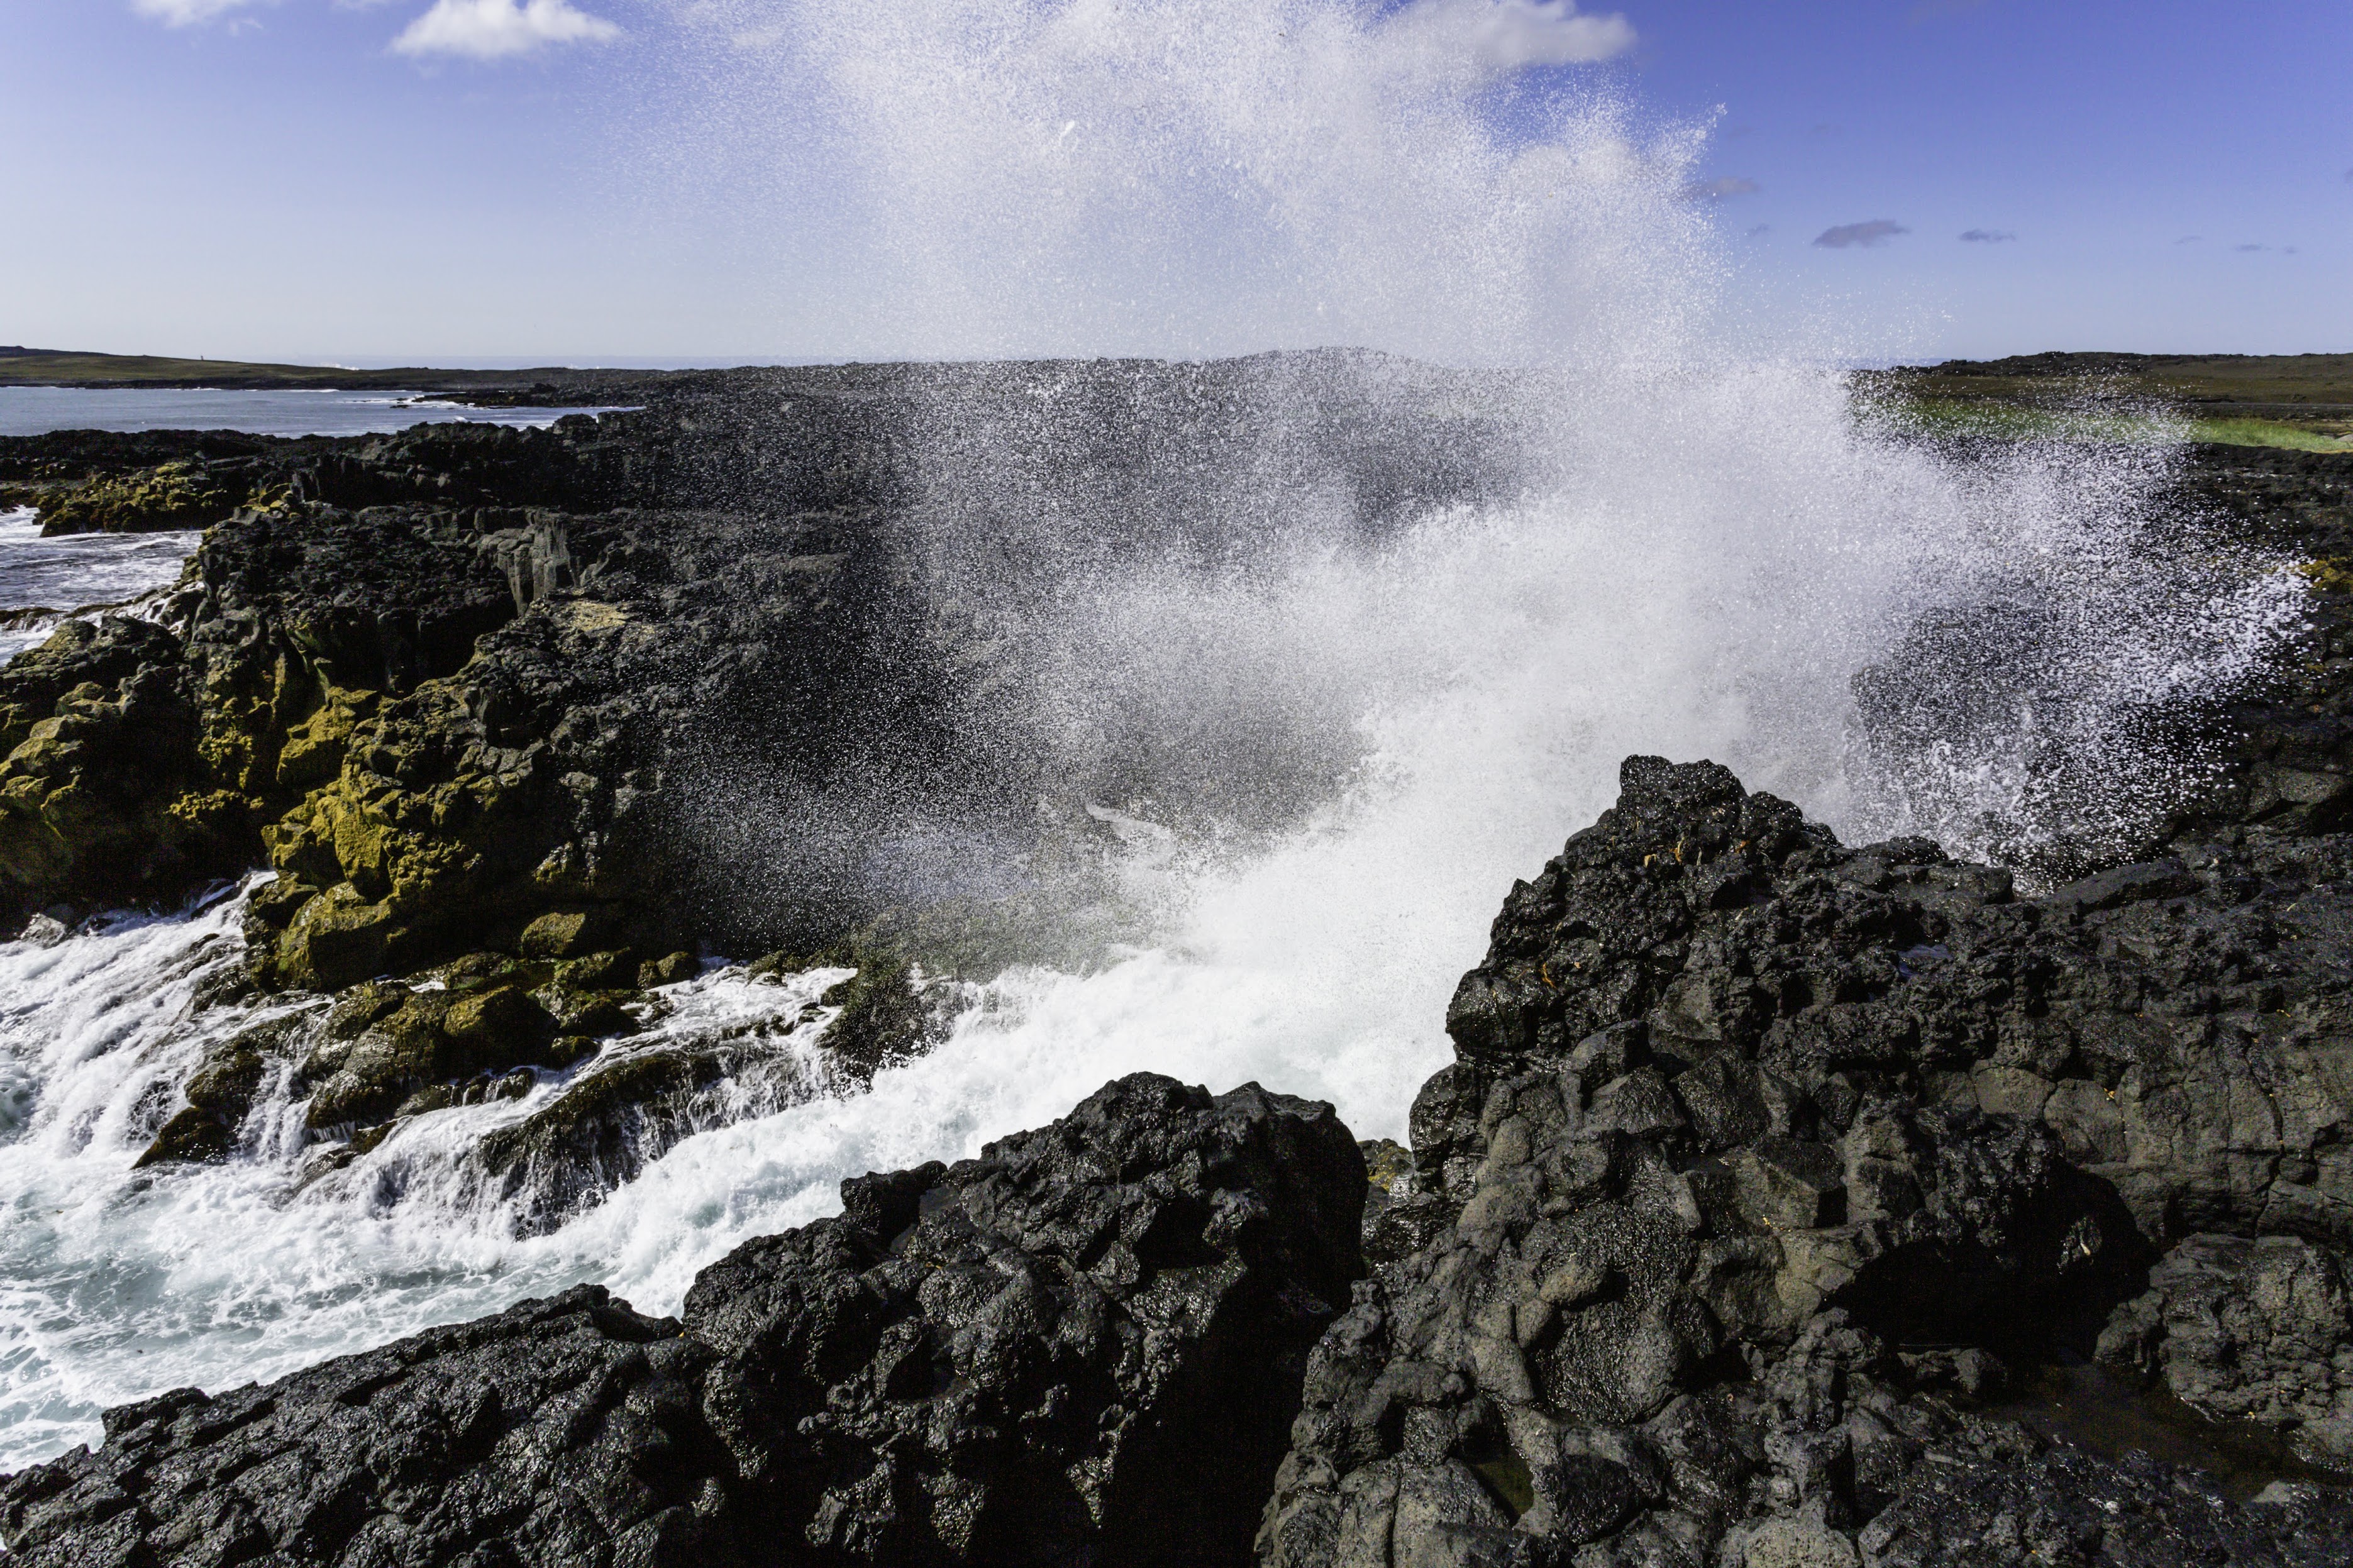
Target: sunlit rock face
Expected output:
[1765,1161]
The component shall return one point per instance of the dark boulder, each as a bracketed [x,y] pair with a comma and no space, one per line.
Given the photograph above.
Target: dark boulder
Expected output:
[1085,1346]
[1761,1156]
[2256,1329]
[565,1431]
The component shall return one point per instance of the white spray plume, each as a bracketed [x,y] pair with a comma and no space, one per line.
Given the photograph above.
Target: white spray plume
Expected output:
[1685,554]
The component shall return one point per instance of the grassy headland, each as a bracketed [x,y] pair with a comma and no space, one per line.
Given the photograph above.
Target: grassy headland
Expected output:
[2299,402]
[63,367]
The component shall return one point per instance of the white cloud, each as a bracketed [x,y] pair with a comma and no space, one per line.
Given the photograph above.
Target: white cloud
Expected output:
[186,12]
[497,29]
[1499,37]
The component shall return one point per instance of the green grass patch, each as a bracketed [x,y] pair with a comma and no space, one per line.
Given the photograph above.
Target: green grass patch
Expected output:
[1993,419]
[2266,433]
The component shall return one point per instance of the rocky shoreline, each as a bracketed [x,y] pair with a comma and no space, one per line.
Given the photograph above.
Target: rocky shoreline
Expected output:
[1772,1180]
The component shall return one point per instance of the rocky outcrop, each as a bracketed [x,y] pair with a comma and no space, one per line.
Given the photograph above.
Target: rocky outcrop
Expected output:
[464,678]
[1084,1346]
[102,791]
[170,495]
[1760,1156]
[2250,1329]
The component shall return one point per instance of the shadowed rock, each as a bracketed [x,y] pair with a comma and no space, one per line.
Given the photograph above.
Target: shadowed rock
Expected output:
[1760,1153]
[1084,1346]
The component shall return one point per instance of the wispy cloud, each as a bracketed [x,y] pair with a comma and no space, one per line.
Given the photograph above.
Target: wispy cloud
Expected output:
[1716,190]
[499,30]
[1987,235]
[1846,235]
[2190,239]
[1502,37]
[2243,248]
[186,12]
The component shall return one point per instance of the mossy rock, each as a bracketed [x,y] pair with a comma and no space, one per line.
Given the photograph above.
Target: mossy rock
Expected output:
[1387,1162]
[882,1019]
[483,970]
[773,967]
[615,969]
[591,1012]
[568,933]
[428,1041]
[313,751]
[497,1029]
[193,1137]
[334,941]
[2328,575]
[667,970]
[601,1130]
[220,1094]
[275,905]
[168,496]
[360,1008]
[365,1079]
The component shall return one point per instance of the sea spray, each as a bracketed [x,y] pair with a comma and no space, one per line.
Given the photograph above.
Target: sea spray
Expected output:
[1335,737]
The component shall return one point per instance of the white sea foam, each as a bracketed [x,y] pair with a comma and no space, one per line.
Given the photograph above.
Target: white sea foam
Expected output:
[116,1283]
[1698,555]
[64,574]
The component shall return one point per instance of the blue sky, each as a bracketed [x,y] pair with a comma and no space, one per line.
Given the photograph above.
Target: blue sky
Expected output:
[457,181]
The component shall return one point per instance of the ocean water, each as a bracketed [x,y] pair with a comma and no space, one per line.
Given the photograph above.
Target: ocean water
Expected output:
[42,580]
[1700,546]
[31,410]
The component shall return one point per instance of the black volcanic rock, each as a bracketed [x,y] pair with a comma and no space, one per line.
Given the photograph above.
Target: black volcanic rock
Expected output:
[463,678]
[1085,1346]
[1993,1498]
[2249,1328]
[1761,1157]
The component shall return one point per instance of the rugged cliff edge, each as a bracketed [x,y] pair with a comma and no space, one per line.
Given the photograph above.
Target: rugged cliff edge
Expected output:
[1084,1346]
[1765,1162]
[1775,1187]
[1770,1182]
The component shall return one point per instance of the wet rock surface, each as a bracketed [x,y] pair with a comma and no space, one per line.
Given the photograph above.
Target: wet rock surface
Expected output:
[1766,1166]
[1763,1160]
[459,681]
[2250,1329]
[1083,1347]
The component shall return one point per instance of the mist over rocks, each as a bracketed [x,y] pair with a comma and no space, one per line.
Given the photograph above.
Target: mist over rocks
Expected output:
[750,671]
[464,677]
[1768,1173]
[1765,1163]
[1083,1346]
[1767,1168]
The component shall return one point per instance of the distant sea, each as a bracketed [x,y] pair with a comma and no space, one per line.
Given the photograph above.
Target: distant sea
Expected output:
[30,410]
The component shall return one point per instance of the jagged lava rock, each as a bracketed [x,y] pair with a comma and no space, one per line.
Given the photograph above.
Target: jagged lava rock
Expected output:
[1759,1154]
[1084,1347]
